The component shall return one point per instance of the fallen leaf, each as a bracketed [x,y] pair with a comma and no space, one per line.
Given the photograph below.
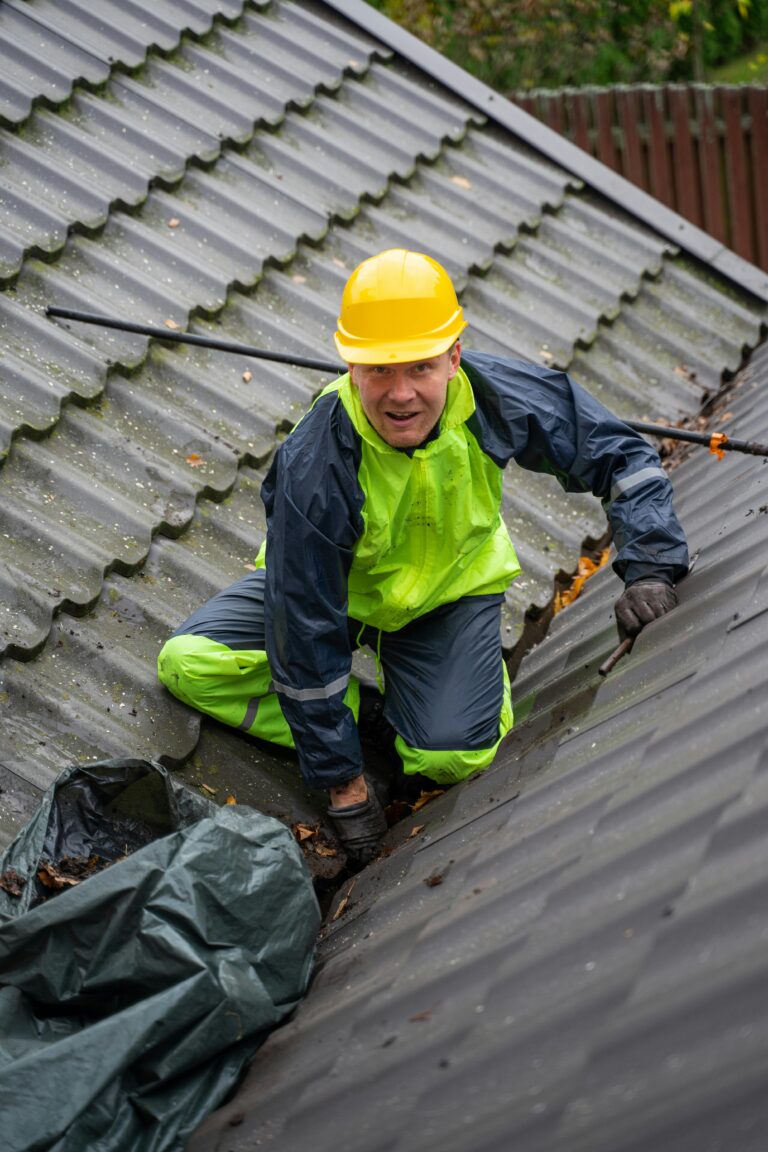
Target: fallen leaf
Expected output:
[194,460]
[11,882]
[420,1017]
[250,567]
[231,800]
[324,849]
[174,222]
[304,831]
[344,902]
[726,416]
[426,797]
[171,324]
[684,371]
[70,870]
[585,568]
[461,181]
[338,263]
[52,878]
[415,830]
[297,279]
[433,880]
[247,376]
[207,788]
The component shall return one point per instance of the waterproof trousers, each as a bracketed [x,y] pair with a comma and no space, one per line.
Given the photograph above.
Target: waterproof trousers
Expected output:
[446,690]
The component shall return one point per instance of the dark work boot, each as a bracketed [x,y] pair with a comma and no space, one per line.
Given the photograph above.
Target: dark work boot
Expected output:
[359,828]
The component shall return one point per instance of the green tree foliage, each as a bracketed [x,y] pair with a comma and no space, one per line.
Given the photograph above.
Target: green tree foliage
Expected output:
[716,31]
[521,44]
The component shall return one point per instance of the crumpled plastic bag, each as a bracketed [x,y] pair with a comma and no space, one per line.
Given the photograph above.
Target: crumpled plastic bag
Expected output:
[130,1002]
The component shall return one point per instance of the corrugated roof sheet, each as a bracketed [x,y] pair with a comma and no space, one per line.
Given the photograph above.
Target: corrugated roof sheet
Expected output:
[225,166]
[570,952]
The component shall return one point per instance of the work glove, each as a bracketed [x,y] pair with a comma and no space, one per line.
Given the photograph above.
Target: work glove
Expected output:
[641,603]
[359,828]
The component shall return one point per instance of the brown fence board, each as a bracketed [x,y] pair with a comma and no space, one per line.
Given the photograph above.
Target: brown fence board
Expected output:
[553,111]
[739,201]
[659,167]
[629,119]
[710,173]
[604,116]
[687,187]
[578,116]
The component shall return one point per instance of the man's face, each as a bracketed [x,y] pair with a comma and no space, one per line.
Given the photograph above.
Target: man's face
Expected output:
[404,402]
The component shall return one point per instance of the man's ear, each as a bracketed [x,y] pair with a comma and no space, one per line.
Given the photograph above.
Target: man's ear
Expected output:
[455,359]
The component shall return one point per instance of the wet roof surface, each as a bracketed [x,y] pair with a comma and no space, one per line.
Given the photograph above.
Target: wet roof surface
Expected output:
[222,166]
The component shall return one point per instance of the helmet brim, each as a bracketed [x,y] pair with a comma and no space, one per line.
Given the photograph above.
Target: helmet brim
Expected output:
[356,351]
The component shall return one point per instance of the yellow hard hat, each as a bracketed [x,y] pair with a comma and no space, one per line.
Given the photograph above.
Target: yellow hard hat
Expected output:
[398,306]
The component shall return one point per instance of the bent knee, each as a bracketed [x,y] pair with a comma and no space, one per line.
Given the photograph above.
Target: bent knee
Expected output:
[444,766]
[449,766]
[174,664]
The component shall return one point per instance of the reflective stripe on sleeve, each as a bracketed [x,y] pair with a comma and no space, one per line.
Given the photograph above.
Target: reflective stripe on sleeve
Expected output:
[629,482]
[323,693]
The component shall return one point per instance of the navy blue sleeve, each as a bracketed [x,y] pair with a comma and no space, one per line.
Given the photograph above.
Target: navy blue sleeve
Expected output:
[547,422]
[313,502]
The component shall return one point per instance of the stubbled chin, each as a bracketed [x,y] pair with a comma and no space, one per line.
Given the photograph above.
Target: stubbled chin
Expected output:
[402,441]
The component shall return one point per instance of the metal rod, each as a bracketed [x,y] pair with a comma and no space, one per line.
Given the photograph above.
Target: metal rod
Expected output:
[191,338]
[623,649]
[726,444]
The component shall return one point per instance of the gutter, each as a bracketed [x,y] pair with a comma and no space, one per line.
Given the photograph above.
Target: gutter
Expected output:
[551,144]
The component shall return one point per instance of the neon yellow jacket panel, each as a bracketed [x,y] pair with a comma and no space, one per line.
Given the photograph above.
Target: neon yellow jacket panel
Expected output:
[433,528]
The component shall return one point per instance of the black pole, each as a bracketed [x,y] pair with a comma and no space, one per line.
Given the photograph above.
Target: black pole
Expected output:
[726,444]
[191,338]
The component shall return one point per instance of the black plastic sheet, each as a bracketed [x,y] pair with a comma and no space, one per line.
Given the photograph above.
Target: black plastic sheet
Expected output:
[131,1001]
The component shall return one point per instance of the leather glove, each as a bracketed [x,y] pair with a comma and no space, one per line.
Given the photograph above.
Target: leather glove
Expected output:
[359,828]
[641,603]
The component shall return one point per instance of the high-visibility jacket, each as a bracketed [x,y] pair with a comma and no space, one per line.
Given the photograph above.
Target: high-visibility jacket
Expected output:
[358,530]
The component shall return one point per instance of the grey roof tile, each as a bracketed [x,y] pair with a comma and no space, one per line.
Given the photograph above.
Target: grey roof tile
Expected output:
[68,171]
[94,690]
[124,30]
[224,538]
[38,65]
[43,364]
[91,496]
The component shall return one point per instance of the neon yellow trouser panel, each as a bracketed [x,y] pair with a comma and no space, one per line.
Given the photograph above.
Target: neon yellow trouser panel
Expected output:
[230,685]
[234,686]
[448,767]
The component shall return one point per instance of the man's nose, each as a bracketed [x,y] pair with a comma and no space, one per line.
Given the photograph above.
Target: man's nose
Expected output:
[401,387]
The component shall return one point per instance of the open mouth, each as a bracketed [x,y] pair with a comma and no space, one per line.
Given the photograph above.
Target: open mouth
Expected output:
[401,417]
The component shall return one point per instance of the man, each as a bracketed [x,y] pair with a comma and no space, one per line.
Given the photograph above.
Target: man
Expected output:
[384,529]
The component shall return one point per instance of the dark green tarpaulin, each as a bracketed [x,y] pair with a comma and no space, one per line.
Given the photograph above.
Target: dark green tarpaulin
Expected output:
[130,1002]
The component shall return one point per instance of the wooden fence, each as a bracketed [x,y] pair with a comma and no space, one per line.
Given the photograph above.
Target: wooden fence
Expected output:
[700,149]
